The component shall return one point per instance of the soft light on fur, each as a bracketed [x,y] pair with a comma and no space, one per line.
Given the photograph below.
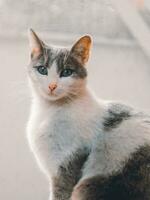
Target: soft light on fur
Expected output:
[71,127]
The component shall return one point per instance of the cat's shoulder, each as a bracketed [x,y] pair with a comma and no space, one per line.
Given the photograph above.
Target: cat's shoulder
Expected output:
[117,112]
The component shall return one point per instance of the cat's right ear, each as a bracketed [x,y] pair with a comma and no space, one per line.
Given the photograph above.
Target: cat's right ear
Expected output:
[36,45]
[81,49]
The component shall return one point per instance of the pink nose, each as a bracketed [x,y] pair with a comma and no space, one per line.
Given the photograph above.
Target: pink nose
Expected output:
[52,86]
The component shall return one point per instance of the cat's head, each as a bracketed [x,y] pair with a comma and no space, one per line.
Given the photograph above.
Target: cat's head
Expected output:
[56,73]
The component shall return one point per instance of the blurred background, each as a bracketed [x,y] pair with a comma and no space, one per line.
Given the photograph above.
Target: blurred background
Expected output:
[119,69]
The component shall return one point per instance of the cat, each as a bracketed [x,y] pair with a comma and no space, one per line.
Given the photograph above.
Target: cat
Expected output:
[89,149]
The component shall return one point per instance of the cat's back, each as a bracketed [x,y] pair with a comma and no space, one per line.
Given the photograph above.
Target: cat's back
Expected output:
[127,120]
[118,164]
[125,127]
[123,131]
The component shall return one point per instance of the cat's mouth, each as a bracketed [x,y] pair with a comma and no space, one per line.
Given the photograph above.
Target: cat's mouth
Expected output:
[53,95]
[58,92]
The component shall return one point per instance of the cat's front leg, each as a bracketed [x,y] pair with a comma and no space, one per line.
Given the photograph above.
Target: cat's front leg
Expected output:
[68,175]
[61,189]
[62,185]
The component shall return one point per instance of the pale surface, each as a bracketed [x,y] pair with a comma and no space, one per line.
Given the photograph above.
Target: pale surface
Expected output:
[115,73]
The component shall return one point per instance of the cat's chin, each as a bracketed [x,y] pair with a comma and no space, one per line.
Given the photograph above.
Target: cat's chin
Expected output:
[52,97]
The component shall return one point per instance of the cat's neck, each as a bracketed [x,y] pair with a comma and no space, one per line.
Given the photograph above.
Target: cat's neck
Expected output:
[84,97]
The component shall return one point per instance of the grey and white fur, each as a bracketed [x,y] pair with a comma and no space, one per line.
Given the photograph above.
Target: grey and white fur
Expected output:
[89,149]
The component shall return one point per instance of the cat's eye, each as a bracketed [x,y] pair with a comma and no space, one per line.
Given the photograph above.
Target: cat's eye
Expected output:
[66,73]
[42,70]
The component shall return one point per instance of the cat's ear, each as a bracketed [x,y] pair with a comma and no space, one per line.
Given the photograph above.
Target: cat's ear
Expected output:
[81,49]
[36,45]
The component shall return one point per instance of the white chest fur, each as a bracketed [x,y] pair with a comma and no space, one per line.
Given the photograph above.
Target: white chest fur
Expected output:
[54,132]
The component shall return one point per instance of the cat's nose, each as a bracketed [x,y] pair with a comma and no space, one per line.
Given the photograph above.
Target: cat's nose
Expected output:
[52,86]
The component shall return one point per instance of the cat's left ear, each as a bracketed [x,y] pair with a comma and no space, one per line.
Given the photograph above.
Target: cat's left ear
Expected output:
[81,49]
[36,45]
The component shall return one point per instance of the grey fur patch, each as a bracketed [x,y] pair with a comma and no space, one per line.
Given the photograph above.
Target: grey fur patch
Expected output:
[69,174]
[132,183]
[72,63]
[63,59]
[115,115]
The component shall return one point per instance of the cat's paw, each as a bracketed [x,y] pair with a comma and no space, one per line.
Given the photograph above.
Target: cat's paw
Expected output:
[80,191]
[89,189]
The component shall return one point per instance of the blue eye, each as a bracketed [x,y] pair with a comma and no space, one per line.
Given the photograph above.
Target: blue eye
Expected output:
[42,70]
[66,73]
